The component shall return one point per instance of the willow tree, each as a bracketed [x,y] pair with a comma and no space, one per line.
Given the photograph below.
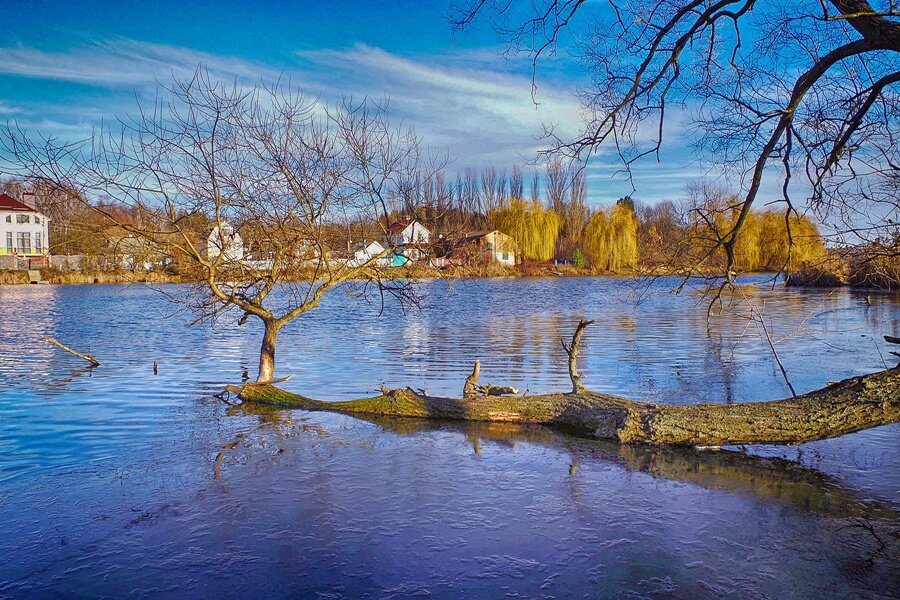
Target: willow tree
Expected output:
[611,238]
[300,178]
[796,96]
[534,227]
[788,243]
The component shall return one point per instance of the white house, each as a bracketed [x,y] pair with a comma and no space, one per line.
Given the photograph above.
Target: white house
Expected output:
[407,232]
[366,251]
[23,230]
[224,239]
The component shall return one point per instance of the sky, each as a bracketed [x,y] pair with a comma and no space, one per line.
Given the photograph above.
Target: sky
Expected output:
[67,66]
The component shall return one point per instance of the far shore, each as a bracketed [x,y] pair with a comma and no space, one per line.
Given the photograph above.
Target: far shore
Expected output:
[527,270]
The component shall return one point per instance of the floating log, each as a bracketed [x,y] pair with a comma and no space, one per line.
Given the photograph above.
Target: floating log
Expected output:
[843,407]
[94,362]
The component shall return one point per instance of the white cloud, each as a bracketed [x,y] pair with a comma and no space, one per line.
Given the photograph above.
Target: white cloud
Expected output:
[121,63]
[480,110]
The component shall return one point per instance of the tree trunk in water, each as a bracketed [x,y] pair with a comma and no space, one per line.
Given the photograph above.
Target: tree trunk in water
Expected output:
[844,407]
[267,352]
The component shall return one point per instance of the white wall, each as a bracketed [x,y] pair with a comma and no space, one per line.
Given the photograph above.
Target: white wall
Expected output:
[30,227]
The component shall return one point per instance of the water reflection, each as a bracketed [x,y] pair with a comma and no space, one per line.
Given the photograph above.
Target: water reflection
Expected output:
[117,480]
[768,478]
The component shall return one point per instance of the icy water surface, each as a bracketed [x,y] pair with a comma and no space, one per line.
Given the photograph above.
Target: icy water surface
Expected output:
[117,482]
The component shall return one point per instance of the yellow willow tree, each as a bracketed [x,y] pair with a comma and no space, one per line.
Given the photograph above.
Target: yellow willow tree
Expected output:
[747,250]
[534,227]
[783,248]
[769,240]
[611,238]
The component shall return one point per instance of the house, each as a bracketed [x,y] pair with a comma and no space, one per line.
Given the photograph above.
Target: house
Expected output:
[408,232]
[365,252]
[23,230]
[223,239]
[411,241]
[492,245]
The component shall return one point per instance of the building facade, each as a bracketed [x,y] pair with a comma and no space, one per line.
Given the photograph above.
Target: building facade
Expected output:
[24,231]
[486,245]
[408,232]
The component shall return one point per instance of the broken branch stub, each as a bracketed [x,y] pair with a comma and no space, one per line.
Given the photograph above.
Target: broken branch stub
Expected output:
[470,388]
[572,352]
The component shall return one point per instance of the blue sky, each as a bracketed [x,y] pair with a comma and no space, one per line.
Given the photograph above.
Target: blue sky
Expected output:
[65,66]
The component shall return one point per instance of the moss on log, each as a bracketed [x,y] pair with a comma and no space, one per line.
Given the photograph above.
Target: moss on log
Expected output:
[844,407]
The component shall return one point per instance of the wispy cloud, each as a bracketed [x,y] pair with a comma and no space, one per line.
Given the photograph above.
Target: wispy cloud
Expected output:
[483,116]
[481,111]
[121,63]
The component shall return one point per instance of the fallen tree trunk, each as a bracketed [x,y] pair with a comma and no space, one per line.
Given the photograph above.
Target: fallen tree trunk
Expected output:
[844,407]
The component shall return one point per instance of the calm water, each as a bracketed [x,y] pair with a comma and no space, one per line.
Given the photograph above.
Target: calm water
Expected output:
[115,482]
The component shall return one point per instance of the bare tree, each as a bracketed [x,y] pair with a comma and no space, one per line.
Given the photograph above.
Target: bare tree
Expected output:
[794,96]
[502,189]
[489,179]
[298,179]
[515,183]
[557,184]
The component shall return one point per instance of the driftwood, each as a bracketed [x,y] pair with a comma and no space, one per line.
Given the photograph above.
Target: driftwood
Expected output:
[844,407]
[893,340]
[471,388]
[94,362]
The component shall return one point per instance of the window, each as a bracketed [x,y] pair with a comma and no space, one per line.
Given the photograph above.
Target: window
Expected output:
[37,243]
[506,256]
[23,243]
[9,218]
[22,219]
[37,220]
[9,244]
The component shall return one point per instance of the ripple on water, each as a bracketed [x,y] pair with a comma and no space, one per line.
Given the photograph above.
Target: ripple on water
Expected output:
[115,481]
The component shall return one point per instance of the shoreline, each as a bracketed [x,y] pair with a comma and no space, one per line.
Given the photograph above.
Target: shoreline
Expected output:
[525,271]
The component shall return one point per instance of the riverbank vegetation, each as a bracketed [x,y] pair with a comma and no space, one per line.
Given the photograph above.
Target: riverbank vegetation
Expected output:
[555,227]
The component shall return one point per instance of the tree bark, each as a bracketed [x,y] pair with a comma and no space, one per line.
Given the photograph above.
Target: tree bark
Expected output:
[572,352]
[267,352]
[844,407]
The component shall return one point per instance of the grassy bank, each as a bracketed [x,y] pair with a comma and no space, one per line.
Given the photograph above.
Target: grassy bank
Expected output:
[529,269]
[8,277]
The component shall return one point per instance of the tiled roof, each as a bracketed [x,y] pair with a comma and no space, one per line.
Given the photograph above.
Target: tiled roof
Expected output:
[400,225]
[7,202]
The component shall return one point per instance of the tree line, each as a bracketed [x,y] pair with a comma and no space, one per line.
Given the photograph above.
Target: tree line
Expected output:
[554,221]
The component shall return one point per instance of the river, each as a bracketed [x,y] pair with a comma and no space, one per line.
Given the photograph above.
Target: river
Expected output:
[116,481]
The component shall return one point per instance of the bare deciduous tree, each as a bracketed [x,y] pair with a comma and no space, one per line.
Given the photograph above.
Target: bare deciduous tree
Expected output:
[298,179]
[798,97]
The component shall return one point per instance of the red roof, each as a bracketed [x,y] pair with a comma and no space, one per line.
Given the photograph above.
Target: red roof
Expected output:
[7,202]
[399,226]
